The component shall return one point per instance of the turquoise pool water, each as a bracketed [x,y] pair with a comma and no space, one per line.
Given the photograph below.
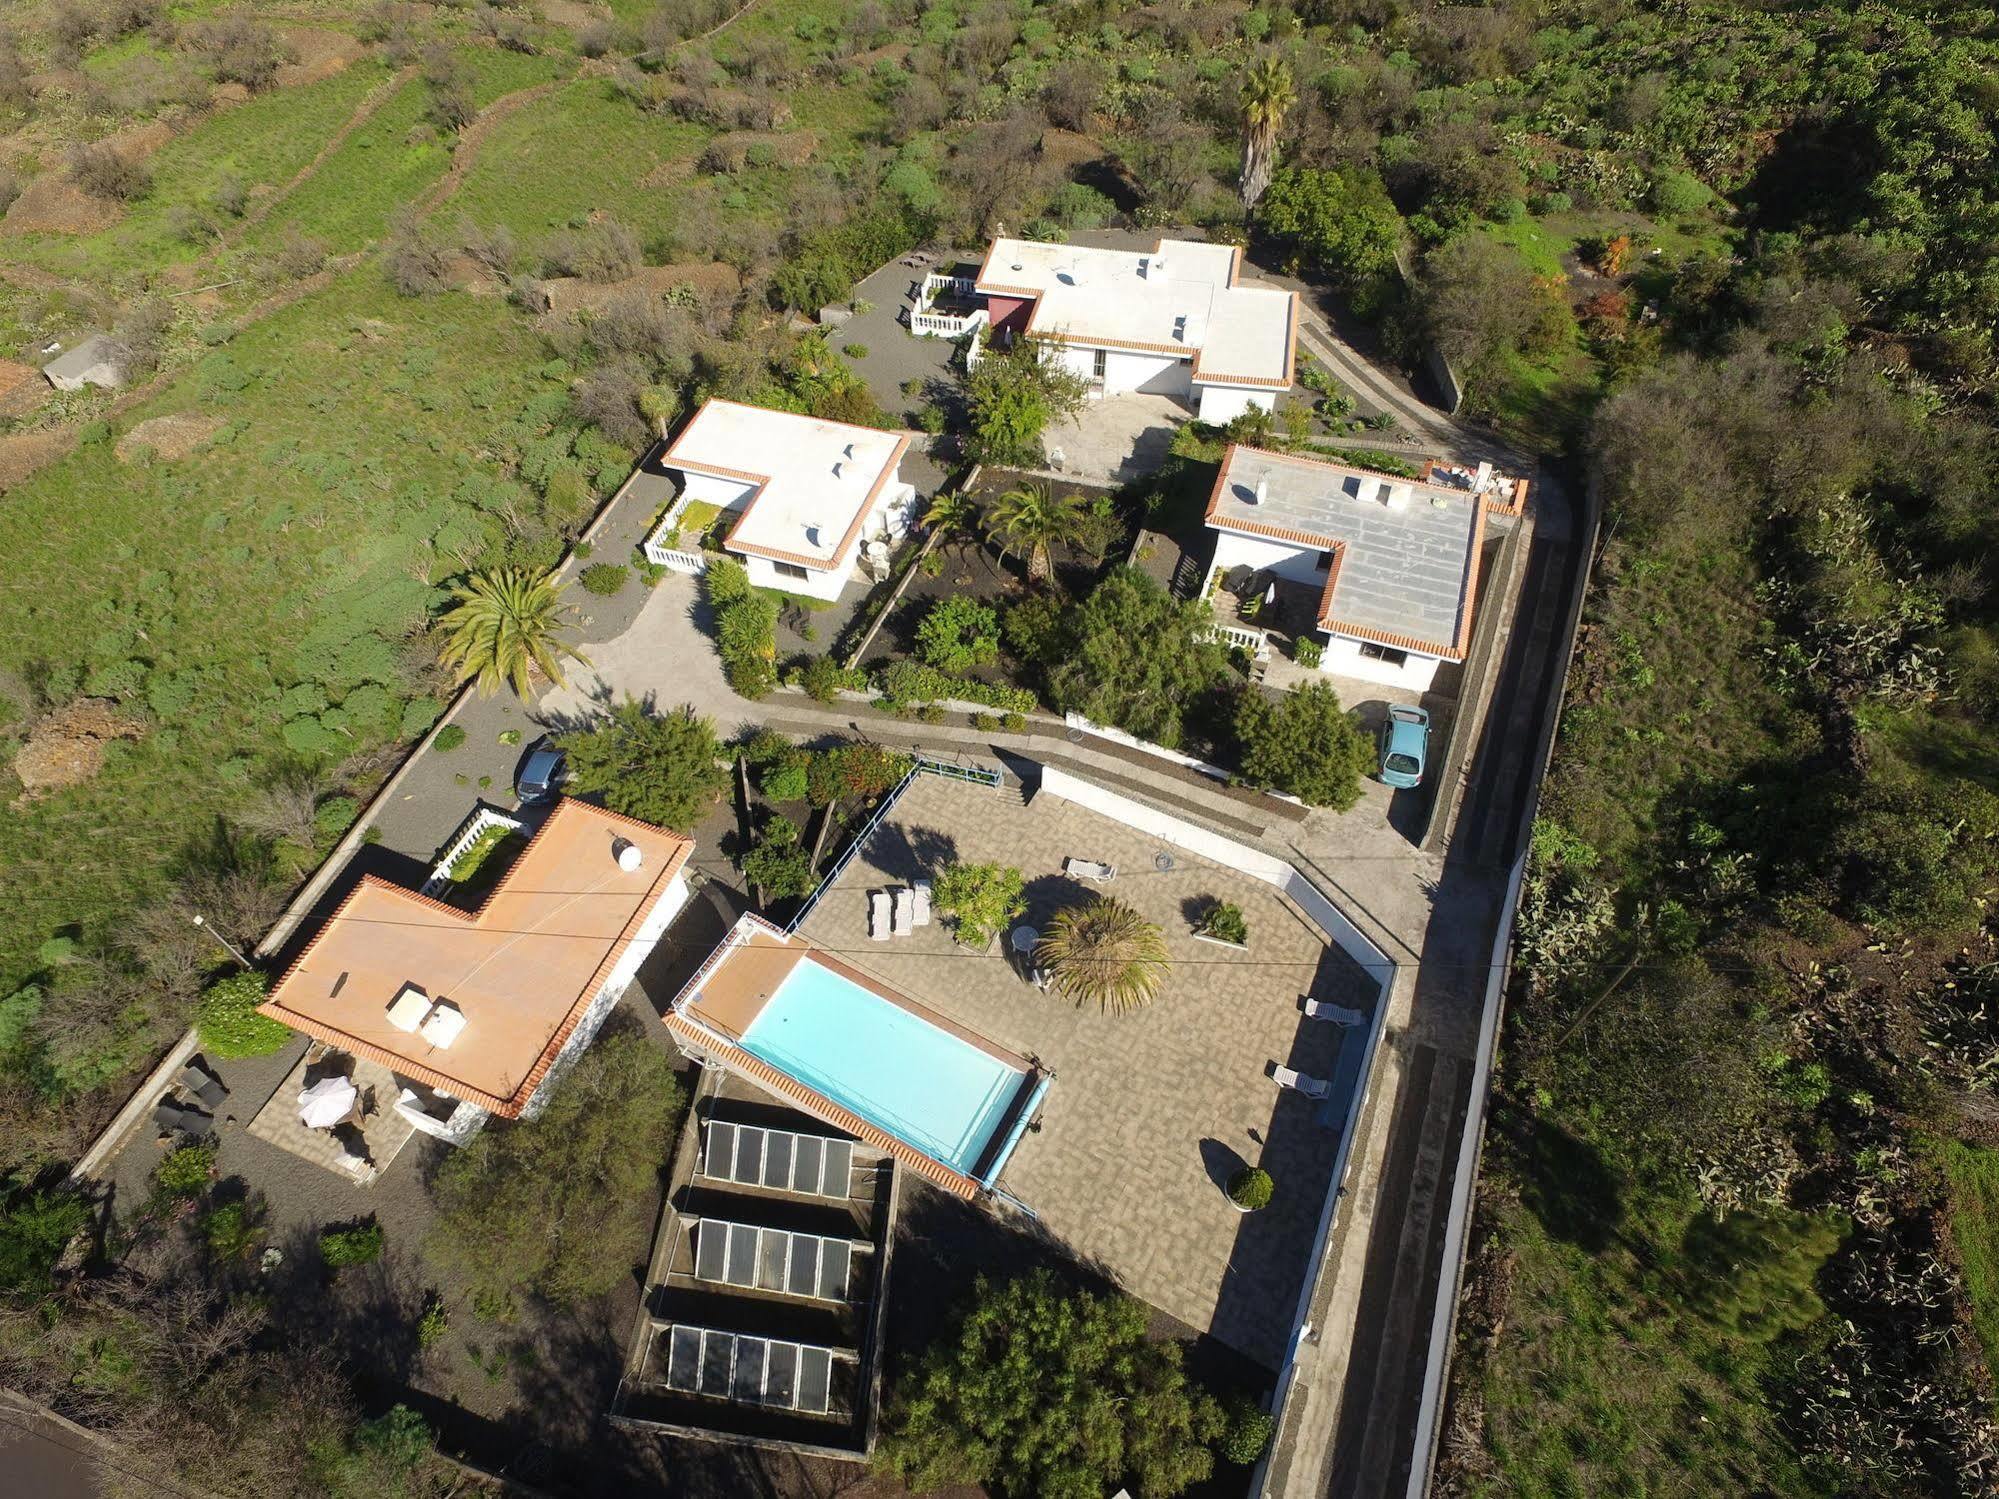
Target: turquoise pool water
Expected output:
[893,1068]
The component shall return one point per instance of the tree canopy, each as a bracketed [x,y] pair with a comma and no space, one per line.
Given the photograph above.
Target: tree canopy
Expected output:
[663,769]
[1037,1390]
[1013,396]
[1138,657]
[1304,743]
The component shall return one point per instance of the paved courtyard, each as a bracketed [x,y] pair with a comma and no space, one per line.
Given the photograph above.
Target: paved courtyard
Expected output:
[1150,1113]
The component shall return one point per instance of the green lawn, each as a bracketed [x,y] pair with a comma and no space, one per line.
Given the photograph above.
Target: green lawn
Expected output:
[1972,1172]
[293,551]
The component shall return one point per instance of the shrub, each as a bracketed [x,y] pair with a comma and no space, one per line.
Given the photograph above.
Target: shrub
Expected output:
[855,351]
[433,1324]
[779,863]
[231,1231]
[185,1172]
[1224,922]
[785,783]
[1036,628]
[908,683]
[958,634]
[103,173]
[359,1245]
[745,630]
[824,678]
[1251,1188]
[449,738]
[859,772]
[1249,1432]
[663,770]
[228,1023]
[1308,652]
[1304,744]
[605,578]
[981,899]
[333,817]
[35,1229]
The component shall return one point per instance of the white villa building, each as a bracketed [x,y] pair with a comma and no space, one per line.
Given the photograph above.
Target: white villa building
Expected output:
[807,495]
[1393,563]
[1173,320]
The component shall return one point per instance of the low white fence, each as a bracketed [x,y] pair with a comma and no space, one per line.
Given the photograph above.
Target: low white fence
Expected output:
[475,827]
[1254,641]
[945,325]
[680,560]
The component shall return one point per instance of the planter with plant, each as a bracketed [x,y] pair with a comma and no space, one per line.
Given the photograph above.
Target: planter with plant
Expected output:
[1223,923]
[1250,1189]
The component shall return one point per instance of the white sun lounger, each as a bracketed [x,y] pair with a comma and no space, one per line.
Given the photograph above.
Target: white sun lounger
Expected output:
[922,889]
[878,915]
[904,919]
[1297,1082]
[1318,1009]
[1089,869]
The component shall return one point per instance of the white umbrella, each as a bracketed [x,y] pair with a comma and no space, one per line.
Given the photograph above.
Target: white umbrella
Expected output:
[326,1102]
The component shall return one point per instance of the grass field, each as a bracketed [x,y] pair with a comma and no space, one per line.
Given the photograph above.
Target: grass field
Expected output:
[1972,1174]
[355,419]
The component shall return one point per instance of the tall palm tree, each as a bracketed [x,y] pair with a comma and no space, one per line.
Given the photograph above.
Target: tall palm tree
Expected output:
[952,514]
[503,625]
[1267,92]
[1027,521]
[1104,951]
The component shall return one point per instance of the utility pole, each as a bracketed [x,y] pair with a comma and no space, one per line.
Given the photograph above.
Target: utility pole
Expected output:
[202,922]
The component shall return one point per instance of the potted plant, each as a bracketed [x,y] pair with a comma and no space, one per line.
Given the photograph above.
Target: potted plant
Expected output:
[1224,923]
[1251,1188]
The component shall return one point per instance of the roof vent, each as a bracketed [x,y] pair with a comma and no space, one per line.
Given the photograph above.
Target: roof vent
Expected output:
[1482,480]
[1262,490]
[1180,329]
[628,854]
[441,1027]
[408,1008]
[1395,496]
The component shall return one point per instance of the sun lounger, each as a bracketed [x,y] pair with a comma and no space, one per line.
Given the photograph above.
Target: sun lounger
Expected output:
[903,919]
[173,1119]
[203,1084]
[1298,1082]
[1089,869]
[878,915]
[922,889]
[1318,1009]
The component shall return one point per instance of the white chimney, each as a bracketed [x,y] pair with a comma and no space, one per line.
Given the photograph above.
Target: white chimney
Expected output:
[1482,481]
[1262,490]
[441,1027]
[629,855]
[1395,496]
[408,1009]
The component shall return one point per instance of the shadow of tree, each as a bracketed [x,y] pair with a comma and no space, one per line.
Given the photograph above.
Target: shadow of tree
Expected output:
[1565,1182]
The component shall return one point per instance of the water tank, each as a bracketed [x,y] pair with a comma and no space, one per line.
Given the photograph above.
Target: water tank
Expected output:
[629,855]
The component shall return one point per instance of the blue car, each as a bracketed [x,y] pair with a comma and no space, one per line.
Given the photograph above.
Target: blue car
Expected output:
[542,773]
[1405,745]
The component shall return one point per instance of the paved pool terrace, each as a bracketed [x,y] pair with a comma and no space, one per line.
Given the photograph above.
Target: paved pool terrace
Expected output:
[1148,1114]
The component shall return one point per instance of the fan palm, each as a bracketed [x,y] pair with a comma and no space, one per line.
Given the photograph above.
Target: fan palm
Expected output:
[1267,92]
[504,625]
[1027,521]
[1103,951]
[951,514]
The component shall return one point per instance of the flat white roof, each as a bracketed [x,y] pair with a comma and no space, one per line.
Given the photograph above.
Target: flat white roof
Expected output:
[1180,297]
[814,480]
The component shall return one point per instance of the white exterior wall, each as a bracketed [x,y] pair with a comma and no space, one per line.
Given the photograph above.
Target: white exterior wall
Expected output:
[466,1121]
[814,585]
[1294,564]
[654,927]
[1222,404]
[730,494]
[894,512]
[1343,658]
[1154,374]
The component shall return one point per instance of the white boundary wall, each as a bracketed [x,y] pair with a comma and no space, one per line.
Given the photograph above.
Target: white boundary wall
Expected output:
[1345,935]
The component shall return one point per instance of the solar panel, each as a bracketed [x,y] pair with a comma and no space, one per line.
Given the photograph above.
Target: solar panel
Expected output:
[778,1158]
[751,1370]
[770,1261]
[835,1259]
[711,1249]
[742,1255]
[804,1274]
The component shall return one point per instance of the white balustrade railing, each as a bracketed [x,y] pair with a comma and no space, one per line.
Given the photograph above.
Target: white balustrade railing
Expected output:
[475,827]
[944,325]
[661,555]
[1254,641]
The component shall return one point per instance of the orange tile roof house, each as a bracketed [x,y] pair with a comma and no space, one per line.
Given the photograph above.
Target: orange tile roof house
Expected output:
[1393,562]
[473,1009]
[806,497]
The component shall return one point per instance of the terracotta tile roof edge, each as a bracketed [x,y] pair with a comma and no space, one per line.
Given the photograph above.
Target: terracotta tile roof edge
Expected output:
[761,1072]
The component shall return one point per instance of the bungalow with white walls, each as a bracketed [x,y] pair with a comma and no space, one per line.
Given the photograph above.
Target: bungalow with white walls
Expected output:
[474,1010]
[1174,320]
[1393,562]
[808,496]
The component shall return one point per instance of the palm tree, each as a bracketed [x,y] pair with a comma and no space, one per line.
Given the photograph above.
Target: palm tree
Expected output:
[1103,951]
[502,626]
[952,514]
[1027,521]
[1267,93]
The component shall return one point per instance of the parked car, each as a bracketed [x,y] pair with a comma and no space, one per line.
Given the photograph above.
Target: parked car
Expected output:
[1405,745]
[543,773]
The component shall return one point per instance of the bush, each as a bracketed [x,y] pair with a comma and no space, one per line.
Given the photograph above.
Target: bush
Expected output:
[104,173]
[35,1229]
[359,1245]
[605,578]
[958,634]
[745,630]
[855,351]
[185,1172]
[909,683]
[779,863]
[823,679]
[663,770]
[980,898]
[1223,922]
[1305,744]
[1251,1188]
[1308,652]
[786,783]
[858,772]
[449,738]
[1248,1435]
[231,1231]
[227,1021]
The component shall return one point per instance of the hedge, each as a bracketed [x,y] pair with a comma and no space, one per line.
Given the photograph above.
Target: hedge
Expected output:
[228,1023]
[907,683]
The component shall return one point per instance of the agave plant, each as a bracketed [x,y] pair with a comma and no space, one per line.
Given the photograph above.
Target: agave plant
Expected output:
[1103,952]
[503,625]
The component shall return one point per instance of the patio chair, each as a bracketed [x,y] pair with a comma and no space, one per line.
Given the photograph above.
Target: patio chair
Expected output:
[1089,869]
[903,916]
[175,1119]
[878,915]
[1298,1082]
[922,889]
[203,1084]
[1318,1009]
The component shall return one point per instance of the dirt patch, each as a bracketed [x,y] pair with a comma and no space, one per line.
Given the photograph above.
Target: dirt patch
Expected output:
[569,13]
[22,456]
[228,96]
[468,274]
[894,52]
[167,437]
[1065,150]
[565,294]
[52,204]
[320,54]
[668,172]
[67,747]
[735,149]
[141,141]
[58,81]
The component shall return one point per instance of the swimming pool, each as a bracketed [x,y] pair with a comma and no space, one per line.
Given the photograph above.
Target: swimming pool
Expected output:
[918,1081]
